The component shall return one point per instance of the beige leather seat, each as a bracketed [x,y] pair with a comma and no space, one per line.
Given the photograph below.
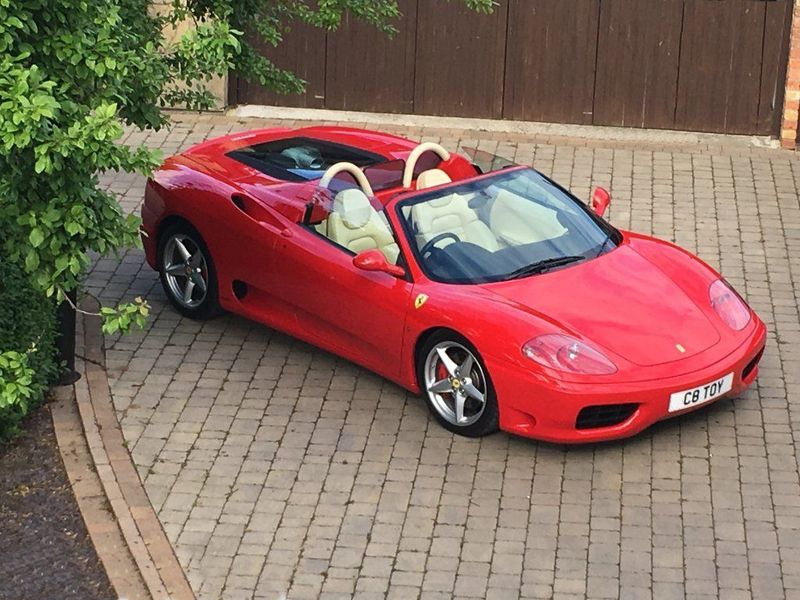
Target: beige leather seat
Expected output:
[357,226]
[432,178]
[451,213]
[516,221]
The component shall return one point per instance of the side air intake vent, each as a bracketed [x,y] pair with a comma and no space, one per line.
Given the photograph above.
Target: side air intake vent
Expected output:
[239,289]
[238,202]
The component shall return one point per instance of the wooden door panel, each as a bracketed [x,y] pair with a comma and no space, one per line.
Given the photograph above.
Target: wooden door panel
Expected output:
[459,60]
[367,70]
[773,65]
[550,60]
[637,63]
[720,68]
[301,52]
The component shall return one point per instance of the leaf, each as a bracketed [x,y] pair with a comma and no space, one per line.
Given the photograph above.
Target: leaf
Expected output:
[36,237]
[31,261]
[41,163]
[111,326]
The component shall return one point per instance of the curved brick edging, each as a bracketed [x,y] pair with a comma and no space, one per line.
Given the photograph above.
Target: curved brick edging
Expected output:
[136,519]
[100,522]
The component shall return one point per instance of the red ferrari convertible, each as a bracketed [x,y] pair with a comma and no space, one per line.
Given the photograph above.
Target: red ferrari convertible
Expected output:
[502,298]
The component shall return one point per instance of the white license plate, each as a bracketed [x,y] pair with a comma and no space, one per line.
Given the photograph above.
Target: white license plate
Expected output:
[701,394]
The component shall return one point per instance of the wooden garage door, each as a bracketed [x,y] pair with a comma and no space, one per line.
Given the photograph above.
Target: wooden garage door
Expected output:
[703,65]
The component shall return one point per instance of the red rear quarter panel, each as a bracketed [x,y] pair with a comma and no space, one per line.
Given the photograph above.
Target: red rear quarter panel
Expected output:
[185,190]
[178,189]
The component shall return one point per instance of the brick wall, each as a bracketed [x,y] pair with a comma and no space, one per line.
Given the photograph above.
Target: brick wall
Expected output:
[791,104]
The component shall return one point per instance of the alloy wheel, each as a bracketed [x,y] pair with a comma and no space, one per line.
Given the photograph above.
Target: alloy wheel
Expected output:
[455,383]
[185,270]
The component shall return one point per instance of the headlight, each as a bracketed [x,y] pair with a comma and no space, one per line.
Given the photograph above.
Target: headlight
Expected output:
[566,353]
[728,305]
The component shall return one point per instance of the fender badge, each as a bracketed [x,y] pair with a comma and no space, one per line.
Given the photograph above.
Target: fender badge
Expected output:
[420,300]
[680,348]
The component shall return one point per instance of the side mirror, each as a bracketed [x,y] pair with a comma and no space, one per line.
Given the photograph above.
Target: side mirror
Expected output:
[600,201]
[374,260]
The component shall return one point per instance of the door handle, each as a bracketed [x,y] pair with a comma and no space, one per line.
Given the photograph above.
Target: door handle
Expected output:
[275,227]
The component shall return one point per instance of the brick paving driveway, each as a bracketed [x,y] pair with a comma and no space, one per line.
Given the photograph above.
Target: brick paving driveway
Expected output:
[280,470]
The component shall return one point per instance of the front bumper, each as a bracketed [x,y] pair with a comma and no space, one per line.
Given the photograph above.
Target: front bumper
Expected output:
[550,412]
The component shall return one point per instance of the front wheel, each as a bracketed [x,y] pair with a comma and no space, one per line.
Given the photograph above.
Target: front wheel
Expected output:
[187,272]
[457,386]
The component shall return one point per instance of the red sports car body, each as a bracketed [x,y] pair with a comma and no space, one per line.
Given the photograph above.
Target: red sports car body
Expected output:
[501,298]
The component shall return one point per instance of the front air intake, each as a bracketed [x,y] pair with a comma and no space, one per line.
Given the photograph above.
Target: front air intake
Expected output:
[752,364]
[604,415]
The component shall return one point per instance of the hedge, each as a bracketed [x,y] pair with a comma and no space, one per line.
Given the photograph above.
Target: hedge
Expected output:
[28,362]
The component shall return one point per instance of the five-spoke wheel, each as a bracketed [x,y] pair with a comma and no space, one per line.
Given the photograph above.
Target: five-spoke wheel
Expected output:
[187,272]
[456,385]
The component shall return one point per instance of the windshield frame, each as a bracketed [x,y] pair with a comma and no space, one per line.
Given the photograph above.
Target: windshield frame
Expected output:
[414,197]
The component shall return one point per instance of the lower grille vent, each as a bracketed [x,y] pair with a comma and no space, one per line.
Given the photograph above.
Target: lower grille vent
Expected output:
[604,415]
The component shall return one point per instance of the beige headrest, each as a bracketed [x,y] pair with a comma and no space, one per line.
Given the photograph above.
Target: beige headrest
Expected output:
[354,208]
[444,201]
[432,178]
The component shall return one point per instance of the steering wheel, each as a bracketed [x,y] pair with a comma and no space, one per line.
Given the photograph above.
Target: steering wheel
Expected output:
[436,239]
[348,167]
[411,161]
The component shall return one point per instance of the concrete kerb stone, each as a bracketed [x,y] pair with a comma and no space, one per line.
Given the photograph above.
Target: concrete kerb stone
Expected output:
[584,135]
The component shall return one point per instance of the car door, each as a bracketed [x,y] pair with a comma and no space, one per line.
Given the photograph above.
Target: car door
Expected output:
[355,313]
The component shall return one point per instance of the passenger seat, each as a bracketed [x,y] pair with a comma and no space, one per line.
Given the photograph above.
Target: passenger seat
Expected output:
[357,226]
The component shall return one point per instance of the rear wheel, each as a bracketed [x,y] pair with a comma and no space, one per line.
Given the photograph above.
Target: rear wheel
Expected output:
[456,385]
[187,272]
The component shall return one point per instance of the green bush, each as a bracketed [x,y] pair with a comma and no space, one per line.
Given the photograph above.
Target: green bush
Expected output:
[27,352]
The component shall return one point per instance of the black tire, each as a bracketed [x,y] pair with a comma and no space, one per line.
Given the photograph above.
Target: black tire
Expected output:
[196,308]
[439,404]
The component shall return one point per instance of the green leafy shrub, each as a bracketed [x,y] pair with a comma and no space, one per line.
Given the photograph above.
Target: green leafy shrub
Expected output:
[27,336]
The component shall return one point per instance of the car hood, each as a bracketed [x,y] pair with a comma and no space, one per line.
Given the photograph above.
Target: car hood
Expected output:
[620,301]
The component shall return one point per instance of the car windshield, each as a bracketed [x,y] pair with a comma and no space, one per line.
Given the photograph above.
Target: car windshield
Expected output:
[510,224]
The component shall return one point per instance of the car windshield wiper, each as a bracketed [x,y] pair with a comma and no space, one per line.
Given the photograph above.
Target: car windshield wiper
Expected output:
[543,265]
[603,245]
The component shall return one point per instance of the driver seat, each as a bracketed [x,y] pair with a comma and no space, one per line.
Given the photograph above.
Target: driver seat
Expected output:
[432,178]
[451,213]
[357,226]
